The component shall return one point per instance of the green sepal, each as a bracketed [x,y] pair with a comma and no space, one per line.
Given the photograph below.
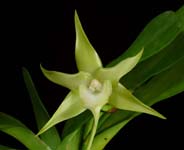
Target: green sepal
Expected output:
[122,98]
[86,57]
[70,81]
[116,72]
[69,108]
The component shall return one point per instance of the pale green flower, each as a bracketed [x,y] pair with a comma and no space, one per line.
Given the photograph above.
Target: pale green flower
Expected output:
[94,86]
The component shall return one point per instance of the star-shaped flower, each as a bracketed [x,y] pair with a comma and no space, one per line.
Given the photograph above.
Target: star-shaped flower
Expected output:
[94,86]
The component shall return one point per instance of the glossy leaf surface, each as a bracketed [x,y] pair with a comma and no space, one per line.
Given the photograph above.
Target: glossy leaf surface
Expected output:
[19,131]
[41,114]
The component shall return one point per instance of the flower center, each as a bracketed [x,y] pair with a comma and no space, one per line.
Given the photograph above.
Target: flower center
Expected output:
[96,94]
[95,86]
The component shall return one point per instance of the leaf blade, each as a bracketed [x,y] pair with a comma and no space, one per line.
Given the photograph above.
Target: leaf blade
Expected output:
[160,37]
[155,64]
[77,122]
[175,85]
[180,14]
[71,141]
[2,147]
[103,138]
[40,112]
[16,129]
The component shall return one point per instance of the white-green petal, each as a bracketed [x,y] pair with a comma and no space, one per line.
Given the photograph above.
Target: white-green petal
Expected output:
[71,81]
[116,72]
[69,108]
[86,57]
[123,99]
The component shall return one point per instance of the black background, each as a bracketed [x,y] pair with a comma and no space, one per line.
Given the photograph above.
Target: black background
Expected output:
[34,33]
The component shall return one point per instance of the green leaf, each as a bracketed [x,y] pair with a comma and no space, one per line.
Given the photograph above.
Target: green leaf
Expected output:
[87,128]
[71,81]
[71,141]
[155,64]
[19,131]
[123,99]
[180,14]
[41,114]
[2,147]
[102,139]
[69,108]
[86,57]
[116,72]
[77,122]
[115,118]
[159,33]
[170,82]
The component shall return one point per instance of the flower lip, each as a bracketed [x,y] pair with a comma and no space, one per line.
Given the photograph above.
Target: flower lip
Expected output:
[95,86]
[93,99]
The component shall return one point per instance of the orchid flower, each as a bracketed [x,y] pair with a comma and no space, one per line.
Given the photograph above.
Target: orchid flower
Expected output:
[94,86]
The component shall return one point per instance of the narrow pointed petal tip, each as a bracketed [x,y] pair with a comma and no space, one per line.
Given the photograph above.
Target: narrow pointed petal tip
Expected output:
[70,81]
[116,72]
[86,57]
[122,98]
[162,116]
[69,108]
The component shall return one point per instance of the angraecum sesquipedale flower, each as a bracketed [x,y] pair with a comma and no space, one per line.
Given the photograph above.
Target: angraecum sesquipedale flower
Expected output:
[94,86]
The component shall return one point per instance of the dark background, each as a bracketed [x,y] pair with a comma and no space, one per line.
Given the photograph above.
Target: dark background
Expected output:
[44,33]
